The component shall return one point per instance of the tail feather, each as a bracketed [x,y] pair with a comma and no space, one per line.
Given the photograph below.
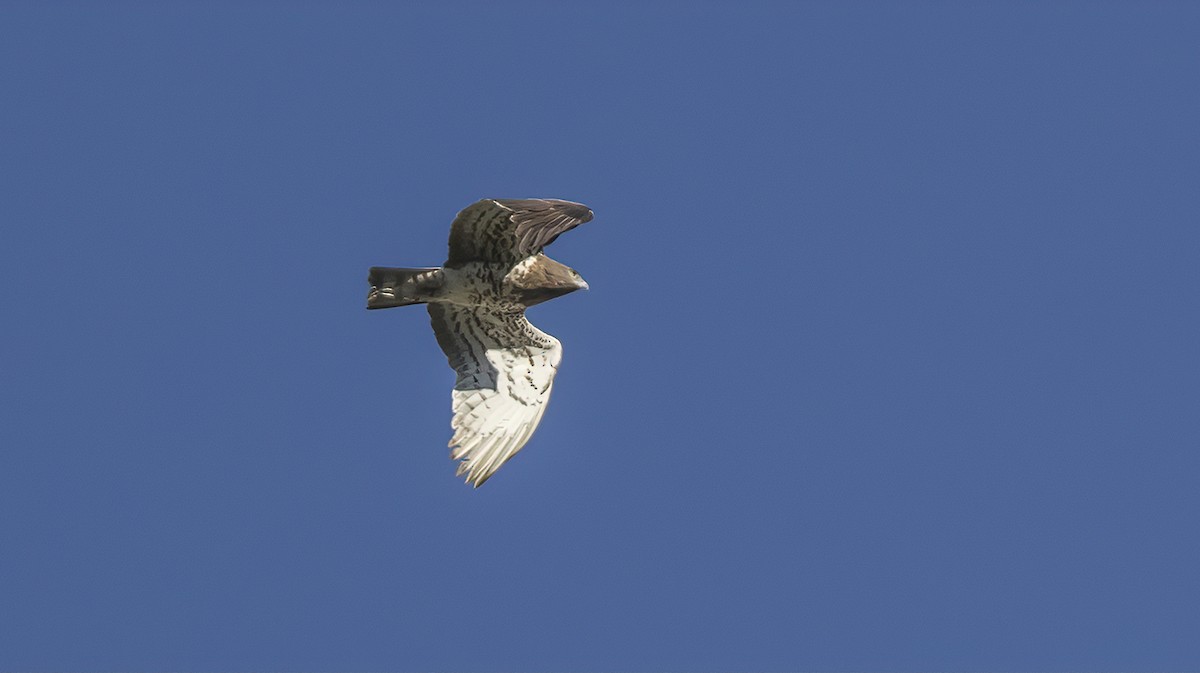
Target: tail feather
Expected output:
[401,287]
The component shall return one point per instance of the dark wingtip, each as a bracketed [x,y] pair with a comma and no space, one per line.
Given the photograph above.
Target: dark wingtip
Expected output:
[579,211]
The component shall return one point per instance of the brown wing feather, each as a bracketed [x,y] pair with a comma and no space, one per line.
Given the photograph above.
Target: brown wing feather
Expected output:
[508,230]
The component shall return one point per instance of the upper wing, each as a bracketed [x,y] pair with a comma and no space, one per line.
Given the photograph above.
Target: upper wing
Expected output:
[508,230]
[505,369]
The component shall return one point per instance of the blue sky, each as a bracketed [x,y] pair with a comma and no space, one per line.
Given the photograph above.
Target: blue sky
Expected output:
[889,362]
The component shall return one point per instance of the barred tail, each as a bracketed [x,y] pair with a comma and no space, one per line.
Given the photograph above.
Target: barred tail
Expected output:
[401,287]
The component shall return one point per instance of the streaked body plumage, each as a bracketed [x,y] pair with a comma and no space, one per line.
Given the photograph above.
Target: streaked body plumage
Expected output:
[505,366]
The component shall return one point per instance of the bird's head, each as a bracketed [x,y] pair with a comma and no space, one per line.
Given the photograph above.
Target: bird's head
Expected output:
[540,279]
[577,280]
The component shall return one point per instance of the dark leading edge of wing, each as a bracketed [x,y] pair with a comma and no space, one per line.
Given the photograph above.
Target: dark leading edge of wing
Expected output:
[508,230]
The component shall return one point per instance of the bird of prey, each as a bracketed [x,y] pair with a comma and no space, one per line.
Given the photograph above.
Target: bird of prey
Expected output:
[505,366]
